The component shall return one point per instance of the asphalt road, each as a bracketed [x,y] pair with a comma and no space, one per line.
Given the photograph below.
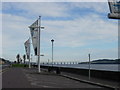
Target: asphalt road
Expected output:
[29,78]
[14,78]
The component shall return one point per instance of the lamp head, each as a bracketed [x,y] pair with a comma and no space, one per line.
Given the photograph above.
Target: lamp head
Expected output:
[52,40]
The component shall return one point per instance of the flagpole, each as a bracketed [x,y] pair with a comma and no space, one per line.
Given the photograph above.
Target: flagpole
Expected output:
[39,44]
[29,53]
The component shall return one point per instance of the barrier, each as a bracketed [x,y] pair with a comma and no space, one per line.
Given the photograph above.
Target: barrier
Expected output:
[107,75]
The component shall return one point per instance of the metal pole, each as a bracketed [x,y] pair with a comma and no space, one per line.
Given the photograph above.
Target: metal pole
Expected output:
[39,44]
[89,65]
[31,59]
[29,53]
[52,51]
[48,61]
[29,62]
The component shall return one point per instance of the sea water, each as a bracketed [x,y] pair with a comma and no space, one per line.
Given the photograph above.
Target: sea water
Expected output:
[105,67]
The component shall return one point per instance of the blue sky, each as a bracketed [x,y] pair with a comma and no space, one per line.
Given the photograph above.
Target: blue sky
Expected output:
[78,28]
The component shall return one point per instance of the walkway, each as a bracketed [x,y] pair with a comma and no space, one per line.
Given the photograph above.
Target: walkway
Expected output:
[29,78]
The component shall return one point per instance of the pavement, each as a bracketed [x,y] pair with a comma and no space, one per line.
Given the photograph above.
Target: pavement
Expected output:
[30,78]
[14,78]
[92,80]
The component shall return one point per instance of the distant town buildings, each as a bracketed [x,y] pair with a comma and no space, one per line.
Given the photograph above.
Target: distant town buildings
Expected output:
[3,61]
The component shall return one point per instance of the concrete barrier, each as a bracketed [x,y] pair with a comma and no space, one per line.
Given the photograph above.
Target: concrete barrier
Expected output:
[108,75]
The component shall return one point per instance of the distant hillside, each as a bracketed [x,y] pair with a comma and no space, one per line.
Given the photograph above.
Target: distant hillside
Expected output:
[103,61]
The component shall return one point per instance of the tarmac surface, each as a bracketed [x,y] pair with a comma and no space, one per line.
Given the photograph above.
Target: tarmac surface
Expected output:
[30,78]
[14,78]
[106,83]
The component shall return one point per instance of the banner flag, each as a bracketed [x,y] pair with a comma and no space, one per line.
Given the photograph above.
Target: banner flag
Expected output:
[114,7]
[34,34]
[27,48]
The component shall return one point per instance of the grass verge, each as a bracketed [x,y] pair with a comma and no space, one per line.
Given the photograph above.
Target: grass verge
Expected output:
[19,65]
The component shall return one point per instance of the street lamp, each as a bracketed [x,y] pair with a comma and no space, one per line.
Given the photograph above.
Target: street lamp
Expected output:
[52,51]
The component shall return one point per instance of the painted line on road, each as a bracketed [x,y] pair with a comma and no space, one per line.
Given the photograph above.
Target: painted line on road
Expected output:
[90,82]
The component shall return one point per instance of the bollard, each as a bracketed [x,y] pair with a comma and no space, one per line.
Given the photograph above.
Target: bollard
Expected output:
[49,69]
[25,65]
[58,70]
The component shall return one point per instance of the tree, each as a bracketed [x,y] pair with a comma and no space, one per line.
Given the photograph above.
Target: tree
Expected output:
[14,61]
[24,58]
[18,58]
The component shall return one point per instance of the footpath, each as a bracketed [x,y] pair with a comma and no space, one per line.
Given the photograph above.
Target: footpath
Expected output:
[95,81]
[30,78]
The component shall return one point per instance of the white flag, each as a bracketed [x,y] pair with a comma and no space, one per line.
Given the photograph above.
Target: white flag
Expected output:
[34,34]
[27,48]
[114,7]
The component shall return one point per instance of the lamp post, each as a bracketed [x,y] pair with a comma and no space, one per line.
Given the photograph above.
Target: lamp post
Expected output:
[52,51]
[38,44]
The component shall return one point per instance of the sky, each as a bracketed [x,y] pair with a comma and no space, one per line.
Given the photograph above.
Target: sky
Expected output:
[78,28]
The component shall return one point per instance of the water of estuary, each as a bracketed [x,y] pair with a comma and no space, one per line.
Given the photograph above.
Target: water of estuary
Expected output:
[105,67]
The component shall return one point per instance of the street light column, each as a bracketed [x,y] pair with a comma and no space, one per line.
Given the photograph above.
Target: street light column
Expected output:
[38,51]
[52,51]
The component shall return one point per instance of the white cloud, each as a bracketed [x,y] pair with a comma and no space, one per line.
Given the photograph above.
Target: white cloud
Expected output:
[14,33]
[78,32]
[34,8]
[81,31]
[81,55]
[54,1]
[55,9]
[101,7]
